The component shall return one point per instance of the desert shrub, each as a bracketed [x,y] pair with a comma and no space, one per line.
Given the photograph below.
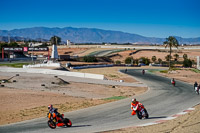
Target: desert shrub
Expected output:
[118,62]
[164,71]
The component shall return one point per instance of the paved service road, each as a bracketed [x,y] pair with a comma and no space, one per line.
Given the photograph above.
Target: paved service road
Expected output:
[162,100]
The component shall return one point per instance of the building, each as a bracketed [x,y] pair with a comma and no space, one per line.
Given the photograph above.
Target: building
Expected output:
[68,42]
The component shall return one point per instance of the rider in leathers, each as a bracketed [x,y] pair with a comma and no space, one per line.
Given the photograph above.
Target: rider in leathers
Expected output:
[54,110]
[134,103]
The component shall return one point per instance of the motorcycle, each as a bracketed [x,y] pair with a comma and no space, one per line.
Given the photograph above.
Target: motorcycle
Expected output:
[141,112]
[197,90]
[173,82]
[143,72]
[54,121]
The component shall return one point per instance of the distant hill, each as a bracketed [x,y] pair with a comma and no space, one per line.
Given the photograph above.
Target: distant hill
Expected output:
[88,35]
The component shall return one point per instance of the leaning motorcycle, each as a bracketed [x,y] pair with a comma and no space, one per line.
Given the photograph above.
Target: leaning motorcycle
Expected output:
[54,121]
[173,83]
[141,112]
[197,90]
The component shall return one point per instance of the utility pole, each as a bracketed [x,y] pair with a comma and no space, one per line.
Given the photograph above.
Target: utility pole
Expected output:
[8,38]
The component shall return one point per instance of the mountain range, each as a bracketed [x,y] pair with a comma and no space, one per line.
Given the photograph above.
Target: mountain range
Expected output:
[86,35]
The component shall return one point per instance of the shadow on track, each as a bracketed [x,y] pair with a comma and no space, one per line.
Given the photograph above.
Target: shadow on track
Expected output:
[81,126]
[157,117]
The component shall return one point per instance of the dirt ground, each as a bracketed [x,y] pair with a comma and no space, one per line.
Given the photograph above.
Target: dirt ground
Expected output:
[27,98]
[110,73]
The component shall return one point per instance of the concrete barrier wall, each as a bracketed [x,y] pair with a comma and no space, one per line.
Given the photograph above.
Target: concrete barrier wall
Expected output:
[91,66]
[43,65]
[54,72]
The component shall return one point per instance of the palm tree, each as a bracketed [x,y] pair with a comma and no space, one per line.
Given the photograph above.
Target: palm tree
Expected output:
[185,56]
[55,40]
[171,42]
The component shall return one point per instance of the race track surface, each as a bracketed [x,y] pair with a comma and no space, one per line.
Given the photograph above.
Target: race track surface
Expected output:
[162,100]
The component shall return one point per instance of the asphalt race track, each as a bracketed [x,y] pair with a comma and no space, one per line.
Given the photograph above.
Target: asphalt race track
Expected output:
[162,100]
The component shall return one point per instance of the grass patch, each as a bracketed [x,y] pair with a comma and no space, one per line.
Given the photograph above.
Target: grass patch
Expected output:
[113,76]
[164,71]
[153,71]
[174,69]
[115,98]
[16,65]
[195,70]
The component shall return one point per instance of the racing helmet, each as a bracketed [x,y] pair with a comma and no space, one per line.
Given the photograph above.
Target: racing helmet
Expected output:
[50,106]
[133,100]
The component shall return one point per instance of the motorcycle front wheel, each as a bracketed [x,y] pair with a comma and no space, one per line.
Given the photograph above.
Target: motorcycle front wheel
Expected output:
[147,115]
[139,115]
[51,124]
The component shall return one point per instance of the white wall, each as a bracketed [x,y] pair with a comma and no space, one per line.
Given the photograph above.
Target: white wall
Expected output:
[54,72]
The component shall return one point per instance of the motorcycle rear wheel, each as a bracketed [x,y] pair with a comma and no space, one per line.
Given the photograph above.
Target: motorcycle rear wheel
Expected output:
[67,122]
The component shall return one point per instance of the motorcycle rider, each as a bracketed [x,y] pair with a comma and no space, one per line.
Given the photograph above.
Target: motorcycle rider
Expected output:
[143,71]
[54,110]
[173,81]
[195,85]
[134,103]
[198,87]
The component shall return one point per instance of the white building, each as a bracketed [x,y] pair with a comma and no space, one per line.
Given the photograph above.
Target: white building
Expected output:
[68,42]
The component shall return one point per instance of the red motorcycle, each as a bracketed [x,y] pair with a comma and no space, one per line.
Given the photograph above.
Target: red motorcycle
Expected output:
[173,83]
[197,90]
[141,112]
[54,121]
[143,71]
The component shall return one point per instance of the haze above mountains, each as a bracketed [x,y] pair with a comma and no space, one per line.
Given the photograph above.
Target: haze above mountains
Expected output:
[87,35]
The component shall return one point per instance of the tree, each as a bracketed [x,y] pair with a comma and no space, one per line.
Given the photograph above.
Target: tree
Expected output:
[153,58]
[137,61]
[144,60]
[55,40]
[176,57]
[185,56]
[168,57]
[159,60]
[171,42]
[129,60]
[187,63]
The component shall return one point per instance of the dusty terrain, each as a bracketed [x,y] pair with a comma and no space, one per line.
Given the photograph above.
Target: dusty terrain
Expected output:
[111,73]
[27,98]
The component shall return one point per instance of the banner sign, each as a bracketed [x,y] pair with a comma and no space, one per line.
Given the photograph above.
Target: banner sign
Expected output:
[38,49]
[25,49]
[13,49]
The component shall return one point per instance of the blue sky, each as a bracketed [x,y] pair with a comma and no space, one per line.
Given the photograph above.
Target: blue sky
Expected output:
[152,18]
